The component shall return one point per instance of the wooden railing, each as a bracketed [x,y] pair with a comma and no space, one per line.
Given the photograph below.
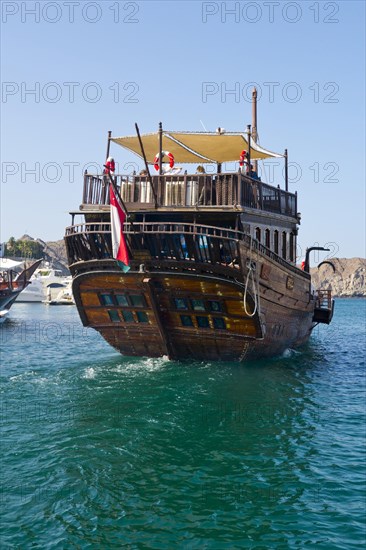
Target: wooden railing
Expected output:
[178,241]
[324,299]
[218,190]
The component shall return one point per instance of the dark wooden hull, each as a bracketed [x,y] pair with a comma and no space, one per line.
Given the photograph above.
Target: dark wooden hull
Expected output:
[203,312]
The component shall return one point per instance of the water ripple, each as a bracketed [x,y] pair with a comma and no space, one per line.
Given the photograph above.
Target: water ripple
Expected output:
[101,451]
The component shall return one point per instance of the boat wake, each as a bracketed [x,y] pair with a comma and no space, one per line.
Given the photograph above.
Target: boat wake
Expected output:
[290,353]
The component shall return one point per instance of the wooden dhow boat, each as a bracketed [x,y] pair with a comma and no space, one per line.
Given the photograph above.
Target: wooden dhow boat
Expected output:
[211,257]
[13,282]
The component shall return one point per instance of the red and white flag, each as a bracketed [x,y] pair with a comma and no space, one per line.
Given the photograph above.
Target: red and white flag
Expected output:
[118,218]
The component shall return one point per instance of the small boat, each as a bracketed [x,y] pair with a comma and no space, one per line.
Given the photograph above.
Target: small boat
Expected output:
[13,282]
[63,298]
[33,293]
[205,268]
[45,281]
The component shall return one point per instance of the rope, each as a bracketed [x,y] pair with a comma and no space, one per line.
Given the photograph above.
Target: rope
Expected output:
[250,274]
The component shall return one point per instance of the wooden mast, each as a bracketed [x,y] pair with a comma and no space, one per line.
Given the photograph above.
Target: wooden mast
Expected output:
[108,143]
[254,124]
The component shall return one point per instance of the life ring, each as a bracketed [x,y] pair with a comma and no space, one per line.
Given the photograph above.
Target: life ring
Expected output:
[164,154]
[242,158]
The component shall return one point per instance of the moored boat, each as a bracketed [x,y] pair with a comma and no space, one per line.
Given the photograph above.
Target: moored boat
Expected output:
[33,293]
[63,298]
[211,257]
[45,284]
[13,282]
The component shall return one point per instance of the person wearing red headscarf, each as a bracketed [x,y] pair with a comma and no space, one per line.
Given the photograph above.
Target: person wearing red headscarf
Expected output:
[109,166]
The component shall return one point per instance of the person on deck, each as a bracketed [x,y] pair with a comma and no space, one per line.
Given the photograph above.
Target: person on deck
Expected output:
[109,168]
[253,174]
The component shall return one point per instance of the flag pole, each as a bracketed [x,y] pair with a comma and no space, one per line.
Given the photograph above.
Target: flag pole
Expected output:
[109,142]
[146,165]
[119,198]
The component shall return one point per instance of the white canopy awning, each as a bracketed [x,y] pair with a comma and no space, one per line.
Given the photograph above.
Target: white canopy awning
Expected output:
[196,147]
[7,263]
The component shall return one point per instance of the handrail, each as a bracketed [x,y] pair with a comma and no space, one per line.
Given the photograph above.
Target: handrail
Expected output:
[191,190]
[324,298]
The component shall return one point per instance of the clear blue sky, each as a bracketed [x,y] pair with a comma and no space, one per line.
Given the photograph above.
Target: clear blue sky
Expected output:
[99,66]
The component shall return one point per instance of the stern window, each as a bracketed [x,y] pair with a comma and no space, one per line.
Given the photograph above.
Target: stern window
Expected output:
[121,300]
[219,322]
[113,315]
[198,305]
[137,300]
[128,316]
[284,244]
[180,303]
[202,322]
[186,320]
[106,299]
[214,305]
[142,317]
[268,238]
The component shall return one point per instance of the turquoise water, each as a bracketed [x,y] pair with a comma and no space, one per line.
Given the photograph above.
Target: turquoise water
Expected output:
[100,451]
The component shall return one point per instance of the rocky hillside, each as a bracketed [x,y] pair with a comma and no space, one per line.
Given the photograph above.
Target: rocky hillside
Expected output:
[348,279]
[53,252]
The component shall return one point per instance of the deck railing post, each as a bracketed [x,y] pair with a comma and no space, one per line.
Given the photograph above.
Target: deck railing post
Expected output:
[239,186]
[85,190]
[259,183]
[295,213]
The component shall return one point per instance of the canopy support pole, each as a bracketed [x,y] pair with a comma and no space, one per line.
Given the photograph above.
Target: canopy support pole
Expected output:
[248,153]
[286,169]
[146,165]
[160,148]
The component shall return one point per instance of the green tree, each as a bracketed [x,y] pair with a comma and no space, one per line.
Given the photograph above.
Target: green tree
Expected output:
[24,248]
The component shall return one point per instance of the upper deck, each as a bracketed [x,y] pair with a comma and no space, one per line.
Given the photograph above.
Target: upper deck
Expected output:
[224,191]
